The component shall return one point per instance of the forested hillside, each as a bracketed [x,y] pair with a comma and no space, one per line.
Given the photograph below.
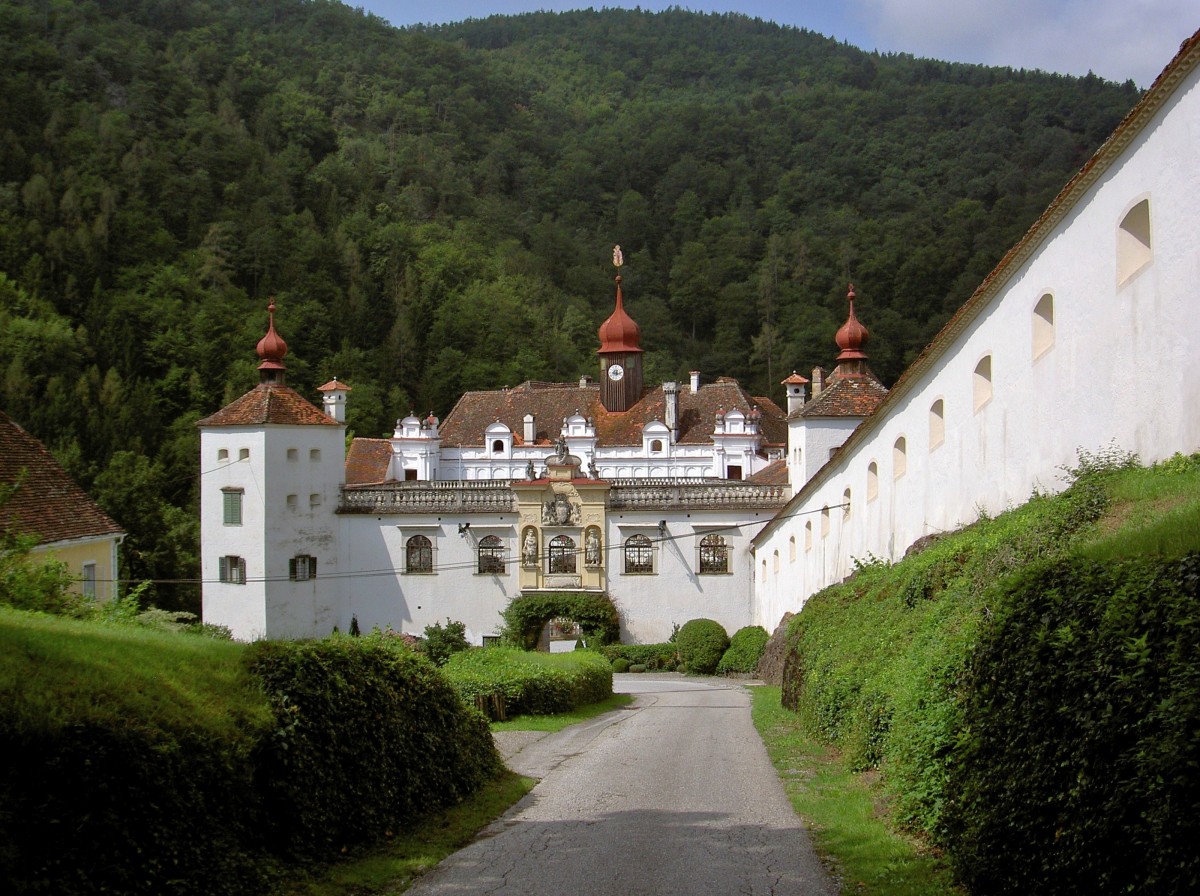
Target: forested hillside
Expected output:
[433,210]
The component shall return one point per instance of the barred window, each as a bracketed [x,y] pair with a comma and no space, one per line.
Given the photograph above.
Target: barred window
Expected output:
[232,570]
[639,555]
[714,555]
[563,554]
[302,567]
[418,554]
[491,555]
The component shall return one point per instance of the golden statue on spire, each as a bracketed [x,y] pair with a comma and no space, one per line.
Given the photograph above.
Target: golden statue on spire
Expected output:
[618,258]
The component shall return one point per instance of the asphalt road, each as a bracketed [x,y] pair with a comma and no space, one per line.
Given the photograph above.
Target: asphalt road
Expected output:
[674,795]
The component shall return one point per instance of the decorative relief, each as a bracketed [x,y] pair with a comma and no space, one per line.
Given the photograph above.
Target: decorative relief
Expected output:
[560,511]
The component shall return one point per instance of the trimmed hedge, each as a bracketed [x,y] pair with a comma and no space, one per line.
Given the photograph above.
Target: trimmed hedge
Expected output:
[526,616]
[1080,766]
[251,757]
[701,644]
[414,748]
[745,650]
[531,683]
[655,657]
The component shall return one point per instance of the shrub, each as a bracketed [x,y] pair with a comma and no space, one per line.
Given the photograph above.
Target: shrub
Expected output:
[745,650]
[637,667]
[1077,773]
[653,656]
[440,642]
[531,683]
[525,616]
[620,664]
[701,644]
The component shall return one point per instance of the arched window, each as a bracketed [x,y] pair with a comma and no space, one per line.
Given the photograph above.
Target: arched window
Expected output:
[900,457]
[808,536]
[491,555]
[775,563]
[497,446]
[1133,242]
[563,555]
[656,446]
[714,555]
[846,504]
[639,555]
[1043,326]
[792,549]
[872,481]
[982,382]
[824,521]
[937,423]
[418,554]
[222,454]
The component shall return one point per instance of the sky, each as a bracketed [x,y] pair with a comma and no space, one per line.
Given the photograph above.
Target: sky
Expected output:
[1116,39]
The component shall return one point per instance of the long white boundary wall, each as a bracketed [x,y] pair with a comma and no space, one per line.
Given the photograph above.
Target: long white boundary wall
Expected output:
[1084,337]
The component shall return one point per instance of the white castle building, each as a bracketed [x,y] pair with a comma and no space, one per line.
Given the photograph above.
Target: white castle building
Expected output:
[685,501]
[1084,336]
[649,495]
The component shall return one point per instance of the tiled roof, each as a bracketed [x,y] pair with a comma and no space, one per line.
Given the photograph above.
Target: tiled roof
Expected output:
[846,396]
[270,403]
[774,473]
[367,461]
[48,503]
[551,403]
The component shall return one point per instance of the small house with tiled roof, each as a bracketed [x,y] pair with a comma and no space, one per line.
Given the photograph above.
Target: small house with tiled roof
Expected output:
[49,505]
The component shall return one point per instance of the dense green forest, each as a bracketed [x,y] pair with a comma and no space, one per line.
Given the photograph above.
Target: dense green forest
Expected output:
[433,210]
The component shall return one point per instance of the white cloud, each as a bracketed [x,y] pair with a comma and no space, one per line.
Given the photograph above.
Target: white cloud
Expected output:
[1116,39]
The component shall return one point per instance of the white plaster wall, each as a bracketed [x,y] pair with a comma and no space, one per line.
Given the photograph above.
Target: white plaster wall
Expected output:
[272,531]
[1121,372]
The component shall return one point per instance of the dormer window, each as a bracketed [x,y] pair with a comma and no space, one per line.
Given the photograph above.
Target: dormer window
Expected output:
[497,446]
[656,446]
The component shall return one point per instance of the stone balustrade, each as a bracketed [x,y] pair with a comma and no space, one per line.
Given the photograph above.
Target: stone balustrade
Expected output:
[484,496]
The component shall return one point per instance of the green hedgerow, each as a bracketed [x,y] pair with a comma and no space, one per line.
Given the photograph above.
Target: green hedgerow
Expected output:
[701,644]
[745,650]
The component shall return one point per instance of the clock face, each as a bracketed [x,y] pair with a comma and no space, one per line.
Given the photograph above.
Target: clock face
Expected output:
[615,372]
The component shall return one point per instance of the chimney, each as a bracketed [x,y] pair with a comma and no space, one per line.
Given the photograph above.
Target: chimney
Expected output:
[333,395]
[530,433]
[671,400]
[818,381]
[695,374]
[794,385]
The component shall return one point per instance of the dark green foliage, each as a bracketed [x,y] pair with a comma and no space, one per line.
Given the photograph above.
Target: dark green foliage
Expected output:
[701,644]
[525,616]
[638,667]
[414,746]
[442,641]
[1079,765]
[433,210]
[620,664]
[653,656]
[745,650]
[532,683]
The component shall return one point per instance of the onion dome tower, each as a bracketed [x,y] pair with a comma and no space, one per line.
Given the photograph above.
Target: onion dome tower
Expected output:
[620,354]
[272,349]
[851,338]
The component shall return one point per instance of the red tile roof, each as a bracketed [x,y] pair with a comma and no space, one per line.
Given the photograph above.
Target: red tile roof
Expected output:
[367,461]
[270,403]
[551,403]
[774,473]
[48,503]
[846,396]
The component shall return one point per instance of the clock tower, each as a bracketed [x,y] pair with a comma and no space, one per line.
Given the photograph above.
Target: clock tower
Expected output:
[620,354]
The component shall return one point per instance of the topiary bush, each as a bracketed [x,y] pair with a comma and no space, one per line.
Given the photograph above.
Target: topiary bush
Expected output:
[745,650]
[701,643]
[620,664]
[637,667]
[525,616]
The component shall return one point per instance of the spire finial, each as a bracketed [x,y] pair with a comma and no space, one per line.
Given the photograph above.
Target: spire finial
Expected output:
[272,349]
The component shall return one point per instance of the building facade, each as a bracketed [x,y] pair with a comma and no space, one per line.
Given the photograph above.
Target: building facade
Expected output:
[1085,336]
[648,495]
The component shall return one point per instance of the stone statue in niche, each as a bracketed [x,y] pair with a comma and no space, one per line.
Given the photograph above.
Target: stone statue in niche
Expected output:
[560,512]
[529,549]
[591,550]
[530,473]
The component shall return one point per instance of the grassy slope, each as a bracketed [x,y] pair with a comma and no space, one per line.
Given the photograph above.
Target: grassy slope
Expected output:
[863,759]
